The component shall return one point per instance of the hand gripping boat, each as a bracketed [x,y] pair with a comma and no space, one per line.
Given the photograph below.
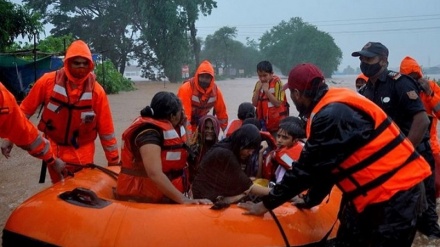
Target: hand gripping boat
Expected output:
[82,211]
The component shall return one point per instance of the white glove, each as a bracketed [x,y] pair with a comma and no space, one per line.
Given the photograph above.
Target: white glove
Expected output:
[6,147]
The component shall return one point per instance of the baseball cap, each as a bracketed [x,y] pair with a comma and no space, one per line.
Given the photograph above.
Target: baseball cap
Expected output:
[301,76]
[372,49]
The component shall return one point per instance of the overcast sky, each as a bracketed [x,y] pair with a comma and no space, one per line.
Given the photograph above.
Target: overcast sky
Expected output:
[406,27]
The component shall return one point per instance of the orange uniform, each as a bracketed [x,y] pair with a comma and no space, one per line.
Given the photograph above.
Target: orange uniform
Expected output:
[197,102]
[432,107]
[75,111]
[19,130]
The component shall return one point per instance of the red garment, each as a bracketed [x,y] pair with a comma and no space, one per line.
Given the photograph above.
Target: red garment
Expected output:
[284,158]
[19,130]
[267,112]
[233,126]
[133,181]
[61,116]
[197,102]
[362,177]
[43,92]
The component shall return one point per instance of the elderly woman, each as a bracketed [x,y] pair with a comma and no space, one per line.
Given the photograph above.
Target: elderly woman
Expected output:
[206,135]
[220,173]
[154,155]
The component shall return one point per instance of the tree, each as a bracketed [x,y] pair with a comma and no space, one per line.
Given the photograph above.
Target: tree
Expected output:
[294,42]
[16,21]
[349,70]
[192,8]
[225,52]
[103,24]
[153,31]
[220,47]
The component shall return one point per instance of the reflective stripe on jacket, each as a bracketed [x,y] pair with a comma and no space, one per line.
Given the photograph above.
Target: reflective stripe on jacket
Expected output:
[133,180]
[69,123]
[18,129]
[286,156]
[201,105]
[387,164]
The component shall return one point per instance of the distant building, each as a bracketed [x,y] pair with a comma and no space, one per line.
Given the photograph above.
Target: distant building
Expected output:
[134,73]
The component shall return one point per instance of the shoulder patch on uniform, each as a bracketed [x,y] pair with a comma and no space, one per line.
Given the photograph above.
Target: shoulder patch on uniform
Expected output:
[412,94]
[394,75]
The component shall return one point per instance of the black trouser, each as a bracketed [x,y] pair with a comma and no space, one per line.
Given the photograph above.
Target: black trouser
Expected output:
[389,223]
[427,223]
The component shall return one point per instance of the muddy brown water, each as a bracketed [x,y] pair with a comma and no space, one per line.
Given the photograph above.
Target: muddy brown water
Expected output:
[19,174]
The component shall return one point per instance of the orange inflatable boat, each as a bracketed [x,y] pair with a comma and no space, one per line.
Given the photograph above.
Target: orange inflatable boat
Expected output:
[82,211]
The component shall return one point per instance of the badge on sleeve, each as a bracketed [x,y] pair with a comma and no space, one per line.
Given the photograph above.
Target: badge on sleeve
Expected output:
[412,94]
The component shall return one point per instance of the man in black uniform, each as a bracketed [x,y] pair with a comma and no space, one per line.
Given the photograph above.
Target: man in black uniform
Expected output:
[398,96]
[353,144]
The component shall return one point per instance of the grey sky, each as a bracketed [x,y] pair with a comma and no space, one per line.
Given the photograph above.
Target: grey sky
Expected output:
[406,27]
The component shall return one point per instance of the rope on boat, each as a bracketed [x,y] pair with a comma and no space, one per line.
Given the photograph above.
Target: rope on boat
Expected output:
[286,241]
[109,172]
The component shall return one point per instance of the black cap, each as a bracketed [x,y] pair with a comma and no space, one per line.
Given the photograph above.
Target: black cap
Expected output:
[372,49]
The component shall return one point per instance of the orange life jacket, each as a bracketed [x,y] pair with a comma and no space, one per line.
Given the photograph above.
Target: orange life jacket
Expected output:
[201,105]
[286,156]
[133,179]
[268,170]
[266,111]
[432,107]
[280,157]
[69,123]
[387,164]
[233,126]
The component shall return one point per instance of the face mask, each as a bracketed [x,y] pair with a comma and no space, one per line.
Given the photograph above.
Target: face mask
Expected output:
[79,73]
[370,70]
[204,85]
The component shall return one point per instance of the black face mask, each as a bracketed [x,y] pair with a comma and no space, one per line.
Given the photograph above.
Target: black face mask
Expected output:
[370,70]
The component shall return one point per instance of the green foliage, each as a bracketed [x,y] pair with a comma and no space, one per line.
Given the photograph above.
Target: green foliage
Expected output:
[112,27]
[224,52]
[294,42]
[110,79]
[16,21]
[103,24]
[49,45]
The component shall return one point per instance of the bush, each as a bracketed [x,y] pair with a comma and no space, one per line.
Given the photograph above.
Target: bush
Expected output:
[111,80]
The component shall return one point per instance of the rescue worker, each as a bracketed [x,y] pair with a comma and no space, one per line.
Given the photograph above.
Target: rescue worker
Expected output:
[154,155]
[75,111]
[353,144]
[269,98]
[19,130]
[245,110]
[398,96]
[200,94]
[361,80]
[430,96]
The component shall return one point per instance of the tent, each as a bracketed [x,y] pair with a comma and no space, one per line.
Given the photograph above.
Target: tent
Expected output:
[18,74]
